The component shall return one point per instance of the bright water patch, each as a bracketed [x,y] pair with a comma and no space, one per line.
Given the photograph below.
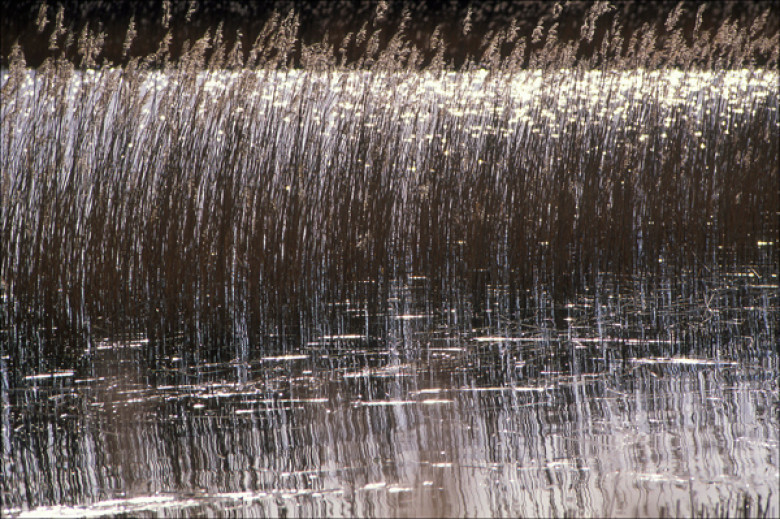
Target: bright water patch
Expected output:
[633,398]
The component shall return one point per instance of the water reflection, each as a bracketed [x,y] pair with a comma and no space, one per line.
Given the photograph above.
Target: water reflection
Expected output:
[638,398]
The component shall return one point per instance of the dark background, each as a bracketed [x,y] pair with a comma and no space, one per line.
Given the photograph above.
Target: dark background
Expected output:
[333,19]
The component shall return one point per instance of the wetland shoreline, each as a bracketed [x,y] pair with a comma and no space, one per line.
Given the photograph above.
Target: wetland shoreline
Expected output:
[387,274]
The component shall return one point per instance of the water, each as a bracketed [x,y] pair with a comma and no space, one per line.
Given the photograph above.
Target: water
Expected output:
[541,293]
[636,396]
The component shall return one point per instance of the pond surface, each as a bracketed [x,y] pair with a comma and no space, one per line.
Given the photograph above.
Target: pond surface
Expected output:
[635,397]
[391,290]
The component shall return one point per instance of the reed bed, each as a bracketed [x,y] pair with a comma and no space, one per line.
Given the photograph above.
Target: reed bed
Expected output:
[226,190]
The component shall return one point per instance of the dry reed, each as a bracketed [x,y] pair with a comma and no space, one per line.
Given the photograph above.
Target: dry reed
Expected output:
[238,186]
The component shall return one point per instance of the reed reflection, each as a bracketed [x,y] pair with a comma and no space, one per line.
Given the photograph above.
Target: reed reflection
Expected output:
[433,417]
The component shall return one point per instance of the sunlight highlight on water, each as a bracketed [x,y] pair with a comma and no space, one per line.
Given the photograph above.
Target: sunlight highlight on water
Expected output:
[664,411]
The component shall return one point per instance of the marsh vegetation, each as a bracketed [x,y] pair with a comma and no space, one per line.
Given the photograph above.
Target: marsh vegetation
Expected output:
[379,225]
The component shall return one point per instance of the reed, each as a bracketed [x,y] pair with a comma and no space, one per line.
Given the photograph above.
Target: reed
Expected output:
[229,186]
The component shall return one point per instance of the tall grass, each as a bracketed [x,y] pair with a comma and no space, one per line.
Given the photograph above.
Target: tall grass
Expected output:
[237,185]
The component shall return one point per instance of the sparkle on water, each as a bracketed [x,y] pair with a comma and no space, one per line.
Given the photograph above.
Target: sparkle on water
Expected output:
[631,399]
[636,395]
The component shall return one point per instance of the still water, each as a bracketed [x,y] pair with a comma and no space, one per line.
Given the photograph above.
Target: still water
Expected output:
[635,397]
